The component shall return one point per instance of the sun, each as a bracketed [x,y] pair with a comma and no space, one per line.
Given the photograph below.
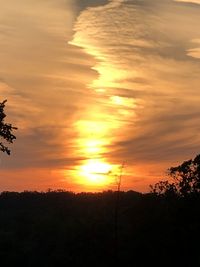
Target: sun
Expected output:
[96,172]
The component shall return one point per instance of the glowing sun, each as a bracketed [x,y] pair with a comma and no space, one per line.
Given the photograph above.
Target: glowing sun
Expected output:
[96,172]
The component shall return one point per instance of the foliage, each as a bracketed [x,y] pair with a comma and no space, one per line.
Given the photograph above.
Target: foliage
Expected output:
[186,179]
[6,130]
[164,188]
[60,228]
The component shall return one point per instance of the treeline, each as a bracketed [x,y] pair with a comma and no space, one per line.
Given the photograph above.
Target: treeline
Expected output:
[58,228]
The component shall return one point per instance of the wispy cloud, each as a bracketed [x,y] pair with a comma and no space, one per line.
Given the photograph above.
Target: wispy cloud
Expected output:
[128,74]
[145,52]
[42,79]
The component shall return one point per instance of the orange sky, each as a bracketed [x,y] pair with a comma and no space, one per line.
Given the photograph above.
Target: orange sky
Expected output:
[93,84]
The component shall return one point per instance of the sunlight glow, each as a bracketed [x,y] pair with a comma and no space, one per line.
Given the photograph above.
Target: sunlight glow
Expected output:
[123,101]
[101,125]
[94,146]
[96,172]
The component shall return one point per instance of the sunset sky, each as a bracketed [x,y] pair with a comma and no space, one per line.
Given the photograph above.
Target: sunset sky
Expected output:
[93,84]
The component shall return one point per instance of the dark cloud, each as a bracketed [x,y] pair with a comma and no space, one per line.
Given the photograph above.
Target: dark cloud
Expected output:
[82,4]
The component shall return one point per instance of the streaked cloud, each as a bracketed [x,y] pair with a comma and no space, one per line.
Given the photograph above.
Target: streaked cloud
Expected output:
[189,1]
[44,83]
[145,53]
[114,79]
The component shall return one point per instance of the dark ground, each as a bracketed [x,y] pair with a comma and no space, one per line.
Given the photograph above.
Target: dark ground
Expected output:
[66,229]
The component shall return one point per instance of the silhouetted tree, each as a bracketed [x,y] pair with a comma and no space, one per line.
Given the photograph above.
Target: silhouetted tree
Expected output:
[164,188]
[5,130]
[186,179]
[58,228]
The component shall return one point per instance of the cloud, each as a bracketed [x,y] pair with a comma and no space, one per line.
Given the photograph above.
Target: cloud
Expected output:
[122,72]
[42,79]
[145,52]
[189,1]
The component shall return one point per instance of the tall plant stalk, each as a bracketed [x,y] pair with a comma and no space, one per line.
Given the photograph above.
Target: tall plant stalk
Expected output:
[116,218]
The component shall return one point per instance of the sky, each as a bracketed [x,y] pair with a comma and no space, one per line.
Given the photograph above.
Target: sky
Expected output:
[98,89]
